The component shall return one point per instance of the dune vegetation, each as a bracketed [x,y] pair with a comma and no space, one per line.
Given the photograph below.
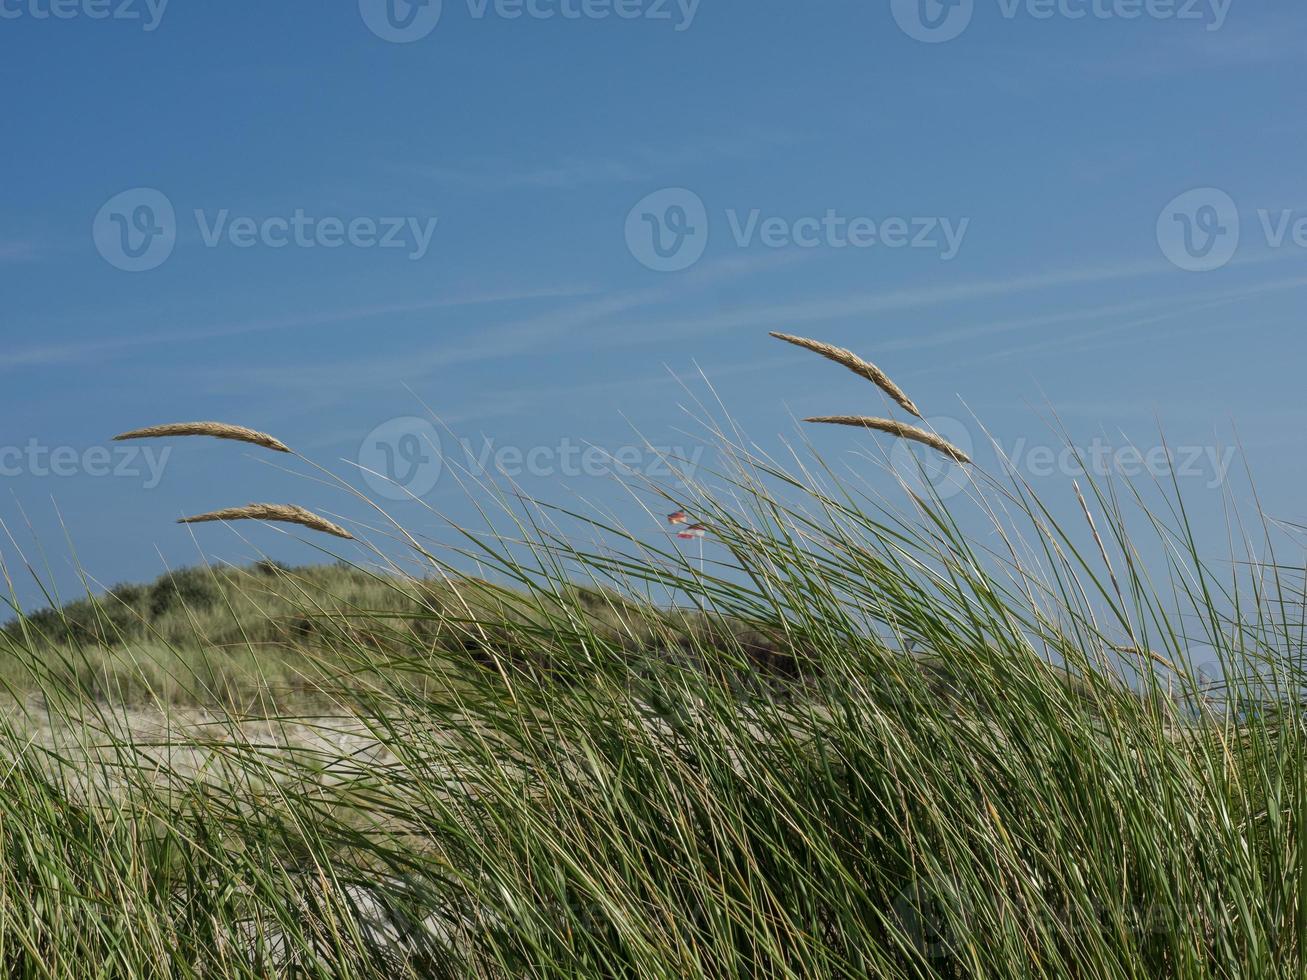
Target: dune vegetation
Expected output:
[859,741]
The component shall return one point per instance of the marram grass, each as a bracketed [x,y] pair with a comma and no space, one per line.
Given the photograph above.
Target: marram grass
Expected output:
[900,430]
[588,763]
[281,513]
[857,365]
[214,430]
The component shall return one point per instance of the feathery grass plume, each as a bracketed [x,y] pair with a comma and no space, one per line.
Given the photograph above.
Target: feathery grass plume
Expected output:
[218,430]
[900,429]
[285,513]
[855,364]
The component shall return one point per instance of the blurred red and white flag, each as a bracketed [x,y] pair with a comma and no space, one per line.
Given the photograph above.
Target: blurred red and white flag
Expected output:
[693,531]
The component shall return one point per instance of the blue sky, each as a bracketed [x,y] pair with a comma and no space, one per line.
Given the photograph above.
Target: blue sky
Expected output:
[1037,158]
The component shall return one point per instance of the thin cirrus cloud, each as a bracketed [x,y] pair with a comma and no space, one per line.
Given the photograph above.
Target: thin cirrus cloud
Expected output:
[1239,43]
[510,403]
[923,297]
[73,351]
[600,321]
[897,300]
[565,175]
[572,325]
[1118,333]
[16,251]
[1104,325]
[582,171]
[1163,310]
[1162,307]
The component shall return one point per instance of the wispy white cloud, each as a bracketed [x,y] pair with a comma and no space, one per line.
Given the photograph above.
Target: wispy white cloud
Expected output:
[1158,309]
[499,404]
[572,324]
[565,174]
[1249,38]
[72,351]
[1109,325]
[17,251]
[604,321]
[1264,40]
[867,304]
[1130,330]
[825,308]
[639,164]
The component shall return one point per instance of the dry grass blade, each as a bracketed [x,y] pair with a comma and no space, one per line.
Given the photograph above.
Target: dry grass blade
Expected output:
[217,430]
[1102,549]
[900,429]
[855,364]
[285,513]
[1151,654]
